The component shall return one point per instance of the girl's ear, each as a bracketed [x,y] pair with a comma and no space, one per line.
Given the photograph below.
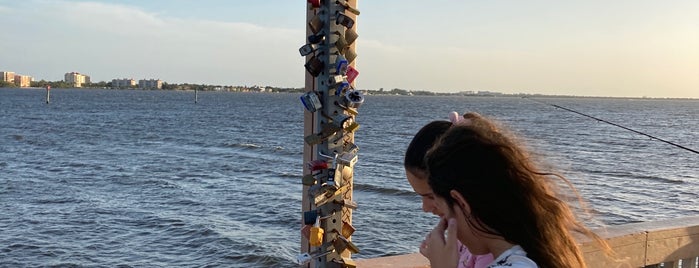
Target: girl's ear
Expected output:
[461,202]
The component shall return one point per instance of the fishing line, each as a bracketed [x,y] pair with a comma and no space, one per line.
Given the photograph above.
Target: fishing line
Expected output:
[617,125]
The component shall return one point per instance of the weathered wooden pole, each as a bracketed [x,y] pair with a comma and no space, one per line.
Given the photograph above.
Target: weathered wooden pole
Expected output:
[331,103]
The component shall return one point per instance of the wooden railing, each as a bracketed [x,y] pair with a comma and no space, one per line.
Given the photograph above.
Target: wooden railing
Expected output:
[668,243]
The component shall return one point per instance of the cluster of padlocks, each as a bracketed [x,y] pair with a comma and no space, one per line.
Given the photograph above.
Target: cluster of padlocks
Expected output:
[332,102]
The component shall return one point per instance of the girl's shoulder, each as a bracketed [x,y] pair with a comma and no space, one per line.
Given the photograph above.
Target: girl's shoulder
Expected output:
[514,257]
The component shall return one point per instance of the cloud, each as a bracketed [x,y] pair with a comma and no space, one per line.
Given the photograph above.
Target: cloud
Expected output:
[108,41]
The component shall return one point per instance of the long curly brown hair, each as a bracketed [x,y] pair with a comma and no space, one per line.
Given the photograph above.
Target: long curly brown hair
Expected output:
[508,194]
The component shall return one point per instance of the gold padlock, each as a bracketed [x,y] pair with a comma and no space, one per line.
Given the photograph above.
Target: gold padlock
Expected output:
[316,234]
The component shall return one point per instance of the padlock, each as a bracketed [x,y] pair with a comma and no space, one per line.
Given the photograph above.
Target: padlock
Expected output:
[341,43]
[316,38]
[330,180]
[350,246]
[341,65]
[350,55]
[316,234]
[348,263]
[351,148]
[354,99]
[346,203]
[326,130]
[314,66]
[347,159]
[314,3]
[310,217]
[347,229]
[305,258]
[315,165]
[341,88]
[351,74]
[307,49]
[344,20]
[311,101]
[315,24]
[350,36]
[341,120]
[328,194]
[306,231]
[348,7]
[336,79]
[309,179]
[351,127]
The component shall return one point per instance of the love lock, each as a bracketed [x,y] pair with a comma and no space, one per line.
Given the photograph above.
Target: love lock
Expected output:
[351,74]
[350,55]
[311,101]
[344,20]
[307,49]
[316,234]
[315,24]
[341,65]
[347,7]
[354,99]
[314,66]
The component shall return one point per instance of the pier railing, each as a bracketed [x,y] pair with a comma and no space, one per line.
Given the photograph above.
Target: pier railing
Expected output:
[668,243]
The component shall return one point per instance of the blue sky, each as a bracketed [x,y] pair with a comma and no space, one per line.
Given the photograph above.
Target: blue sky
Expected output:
[628,48]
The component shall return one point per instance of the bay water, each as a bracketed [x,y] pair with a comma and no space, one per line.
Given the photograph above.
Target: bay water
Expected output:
[129,178]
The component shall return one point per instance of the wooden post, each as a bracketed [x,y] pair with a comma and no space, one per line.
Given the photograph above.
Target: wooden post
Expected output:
[48,94]
[337,218]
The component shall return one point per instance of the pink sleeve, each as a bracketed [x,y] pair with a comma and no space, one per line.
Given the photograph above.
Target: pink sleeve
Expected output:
[468,260]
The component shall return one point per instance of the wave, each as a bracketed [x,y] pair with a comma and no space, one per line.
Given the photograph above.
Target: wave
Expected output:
[382,190]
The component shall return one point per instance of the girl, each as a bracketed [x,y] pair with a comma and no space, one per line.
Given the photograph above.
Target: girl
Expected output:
[416,172]
[495,200]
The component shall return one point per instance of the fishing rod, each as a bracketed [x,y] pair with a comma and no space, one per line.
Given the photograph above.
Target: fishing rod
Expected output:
[615,124]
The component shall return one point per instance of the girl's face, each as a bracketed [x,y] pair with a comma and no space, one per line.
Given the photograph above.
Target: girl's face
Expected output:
[466,234]
[418,180]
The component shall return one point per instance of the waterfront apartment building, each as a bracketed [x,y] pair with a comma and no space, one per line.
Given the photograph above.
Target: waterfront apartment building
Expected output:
[23,80]
[77,79]
[150,84]
[123,83]
[8,76]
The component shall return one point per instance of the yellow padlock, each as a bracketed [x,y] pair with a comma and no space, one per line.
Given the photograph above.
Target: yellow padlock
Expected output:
[316,234]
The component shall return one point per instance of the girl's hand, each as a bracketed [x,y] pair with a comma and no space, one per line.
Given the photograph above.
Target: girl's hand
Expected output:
[442,253]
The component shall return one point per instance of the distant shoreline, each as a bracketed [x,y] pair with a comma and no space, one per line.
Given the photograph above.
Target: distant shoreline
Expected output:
[394,92]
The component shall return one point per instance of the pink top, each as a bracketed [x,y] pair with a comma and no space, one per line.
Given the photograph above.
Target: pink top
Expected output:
[468,260]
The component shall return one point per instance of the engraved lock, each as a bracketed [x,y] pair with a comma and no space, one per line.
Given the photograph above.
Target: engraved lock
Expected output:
[344,20]
[351,74]
[354,99]
[315,24]
[311,101]
[307,49]
[316,234]
[350,55]
[341,65]
[350,36]
[316,38]
[348,7]
[314,66]
[314,3]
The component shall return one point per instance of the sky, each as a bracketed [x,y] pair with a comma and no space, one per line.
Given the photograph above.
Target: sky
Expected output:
[619,48]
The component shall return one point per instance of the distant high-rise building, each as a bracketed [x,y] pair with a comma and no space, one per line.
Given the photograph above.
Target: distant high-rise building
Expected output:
[123,83]
[77,79]
[23,80]
[150,84]
[8,76]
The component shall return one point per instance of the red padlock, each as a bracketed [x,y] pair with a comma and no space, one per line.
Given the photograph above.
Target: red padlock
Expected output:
[314,3]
